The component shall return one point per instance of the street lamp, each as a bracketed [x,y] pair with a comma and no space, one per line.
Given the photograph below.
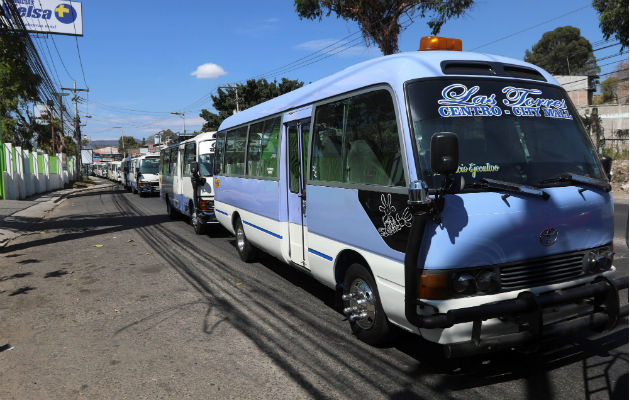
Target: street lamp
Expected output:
[183,119]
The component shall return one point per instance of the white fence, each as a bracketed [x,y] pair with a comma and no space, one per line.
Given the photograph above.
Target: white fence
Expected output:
[27,173]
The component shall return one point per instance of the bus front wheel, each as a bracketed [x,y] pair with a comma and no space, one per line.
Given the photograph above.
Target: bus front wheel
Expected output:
[246,251]
[196,223]
[362,306]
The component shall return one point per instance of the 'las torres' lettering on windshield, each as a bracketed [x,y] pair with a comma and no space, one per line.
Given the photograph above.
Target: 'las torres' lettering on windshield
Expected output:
[460,101]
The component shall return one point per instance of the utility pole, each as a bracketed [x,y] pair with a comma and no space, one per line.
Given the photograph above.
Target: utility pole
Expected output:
[236,95]
[61,110]
[77,135]
[183,119]
[122,138]
[49,109]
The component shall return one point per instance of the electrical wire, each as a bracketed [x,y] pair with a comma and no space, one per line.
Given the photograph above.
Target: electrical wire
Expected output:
[531,27]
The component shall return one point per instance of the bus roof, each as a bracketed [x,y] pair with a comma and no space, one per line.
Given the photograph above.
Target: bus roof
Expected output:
[393,70]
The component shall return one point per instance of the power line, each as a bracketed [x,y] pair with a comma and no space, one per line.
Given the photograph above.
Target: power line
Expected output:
[531,27]
[78,51]
[55,44]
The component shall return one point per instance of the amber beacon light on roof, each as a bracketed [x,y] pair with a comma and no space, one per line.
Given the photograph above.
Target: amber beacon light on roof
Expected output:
[440,43]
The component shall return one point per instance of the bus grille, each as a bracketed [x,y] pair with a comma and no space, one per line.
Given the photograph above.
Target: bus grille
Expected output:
[542,271]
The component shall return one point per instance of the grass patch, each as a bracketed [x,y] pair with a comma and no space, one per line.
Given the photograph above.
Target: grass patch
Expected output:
[616,155]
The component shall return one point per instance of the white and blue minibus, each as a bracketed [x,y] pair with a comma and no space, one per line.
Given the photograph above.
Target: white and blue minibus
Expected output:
[452,194]
[125,167]
[186,171]
[143,176]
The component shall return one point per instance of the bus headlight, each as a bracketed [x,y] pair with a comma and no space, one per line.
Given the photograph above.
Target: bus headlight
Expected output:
[488,281]
[464,283]
[598,260]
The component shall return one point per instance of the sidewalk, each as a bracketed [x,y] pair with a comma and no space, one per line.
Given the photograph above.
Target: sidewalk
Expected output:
[620,197]
[17,216]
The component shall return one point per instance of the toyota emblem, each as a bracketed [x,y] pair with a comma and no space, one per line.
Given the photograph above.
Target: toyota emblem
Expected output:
[548,237]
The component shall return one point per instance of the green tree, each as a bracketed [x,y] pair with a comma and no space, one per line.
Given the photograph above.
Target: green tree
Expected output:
[609,90]
[18,89]
[613,19]
[70,145]
[379,20]
[564,51]
[167,136]
[127,142]
[249,94]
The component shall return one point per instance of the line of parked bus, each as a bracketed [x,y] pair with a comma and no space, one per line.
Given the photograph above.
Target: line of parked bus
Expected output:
[455,195]
[137,175]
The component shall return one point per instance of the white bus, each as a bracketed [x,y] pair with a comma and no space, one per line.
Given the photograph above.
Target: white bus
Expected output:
[113,171]
[453,194]
[185,179]
[144,174]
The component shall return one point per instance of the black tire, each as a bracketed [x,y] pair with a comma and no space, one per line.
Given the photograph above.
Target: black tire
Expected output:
[170,210]
[198,226]
[246,251]
[373,329]
[141,194]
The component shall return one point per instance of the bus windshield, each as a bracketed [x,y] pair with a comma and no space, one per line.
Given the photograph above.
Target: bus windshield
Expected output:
[206,157]
[149,165]
[206,163]
[513,131]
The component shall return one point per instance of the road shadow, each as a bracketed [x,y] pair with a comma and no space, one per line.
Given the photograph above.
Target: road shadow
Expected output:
[56,274]
[80,227]
[22,290]
[15,276]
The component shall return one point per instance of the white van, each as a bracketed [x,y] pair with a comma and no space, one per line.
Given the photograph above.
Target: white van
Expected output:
[184,166]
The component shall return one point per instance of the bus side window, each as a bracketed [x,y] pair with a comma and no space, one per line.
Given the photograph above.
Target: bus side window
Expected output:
[256,132]
[372,144]
[167,161]
[327,143]
[219,151]
[262,151]
[235,151]
[356,141]
[189,157]
[173,161]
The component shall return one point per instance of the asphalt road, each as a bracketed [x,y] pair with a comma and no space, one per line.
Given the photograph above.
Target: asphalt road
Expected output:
[125,303]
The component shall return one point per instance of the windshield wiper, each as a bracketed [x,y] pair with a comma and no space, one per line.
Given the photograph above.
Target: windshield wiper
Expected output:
[512,187]
[579,179]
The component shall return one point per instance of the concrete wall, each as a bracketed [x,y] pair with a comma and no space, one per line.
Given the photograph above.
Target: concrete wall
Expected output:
[22,179]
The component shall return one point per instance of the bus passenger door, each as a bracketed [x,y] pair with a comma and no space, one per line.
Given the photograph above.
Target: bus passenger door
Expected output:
[297,134]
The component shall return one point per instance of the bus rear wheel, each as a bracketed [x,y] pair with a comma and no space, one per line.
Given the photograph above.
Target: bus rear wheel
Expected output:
[169,209]
[362,305]
[246,251]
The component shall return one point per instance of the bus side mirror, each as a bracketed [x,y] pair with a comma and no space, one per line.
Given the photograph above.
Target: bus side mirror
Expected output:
[444,153]
[194,168]
[607,164]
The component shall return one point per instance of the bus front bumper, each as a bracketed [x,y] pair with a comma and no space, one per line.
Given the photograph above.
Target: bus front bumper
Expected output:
[149,187]
[530,317]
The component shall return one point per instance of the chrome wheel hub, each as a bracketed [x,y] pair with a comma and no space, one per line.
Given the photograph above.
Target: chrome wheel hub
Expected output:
[240,239]
[194,219]
[360,304]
